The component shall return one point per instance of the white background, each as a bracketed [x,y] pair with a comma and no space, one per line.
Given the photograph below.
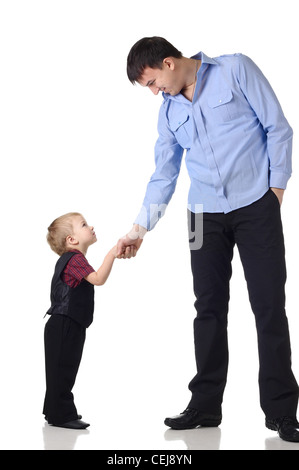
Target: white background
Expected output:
[77,136]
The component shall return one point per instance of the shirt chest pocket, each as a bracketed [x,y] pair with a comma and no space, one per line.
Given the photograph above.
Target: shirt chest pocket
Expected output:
[180,124]
[223,107]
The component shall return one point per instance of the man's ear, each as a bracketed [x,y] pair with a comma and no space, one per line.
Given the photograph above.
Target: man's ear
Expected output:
[71,240]
[169,62]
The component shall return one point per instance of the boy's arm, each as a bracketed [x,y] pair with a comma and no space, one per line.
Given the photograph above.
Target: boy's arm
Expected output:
[99,277]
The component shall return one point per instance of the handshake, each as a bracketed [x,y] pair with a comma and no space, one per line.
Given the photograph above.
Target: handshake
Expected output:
[128,245]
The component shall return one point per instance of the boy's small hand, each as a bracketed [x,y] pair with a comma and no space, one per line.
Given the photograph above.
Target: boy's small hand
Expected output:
[130,252]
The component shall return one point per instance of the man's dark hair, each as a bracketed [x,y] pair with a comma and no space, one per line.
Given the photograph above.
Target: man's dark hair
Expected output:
[149,52]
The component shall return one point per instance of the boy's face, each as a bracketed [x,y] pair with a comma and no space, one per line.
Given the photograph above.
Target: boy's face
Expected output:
[82,232]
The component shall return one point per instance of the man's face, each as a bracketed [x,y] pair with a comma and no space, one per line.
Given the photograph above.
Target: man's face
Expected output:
[165,79]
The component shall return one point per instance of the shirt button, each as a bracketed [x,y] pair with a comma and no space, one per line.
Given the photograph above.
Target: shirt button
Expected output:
[220,101]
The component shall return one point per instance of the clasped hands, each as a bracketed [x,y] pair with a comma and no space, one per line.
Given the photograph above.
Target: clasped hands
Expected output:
[128,245]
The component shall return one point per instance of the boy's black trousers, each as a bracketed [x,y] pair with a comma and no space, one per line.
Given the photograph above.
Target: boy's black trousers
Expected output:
[64,341]
[257,232]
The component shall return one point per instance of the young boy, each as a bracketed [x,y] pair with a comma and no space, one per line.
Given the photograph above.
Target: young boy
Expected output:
[72,305]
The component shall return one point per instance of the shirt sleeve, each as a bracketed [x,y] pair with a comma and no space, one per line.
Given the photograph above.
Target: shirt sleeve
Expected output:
[265,104]
[168,158]
[76,269]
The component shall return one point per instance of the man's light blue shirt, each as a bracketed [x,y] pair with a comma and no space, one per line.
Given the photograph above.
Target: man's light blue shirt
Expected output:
[238,142]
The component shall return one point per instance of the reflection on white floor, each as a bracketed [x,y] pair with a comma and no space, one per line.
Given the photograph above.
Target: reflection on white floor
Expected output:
[195,439]
[61,439]
[275,443]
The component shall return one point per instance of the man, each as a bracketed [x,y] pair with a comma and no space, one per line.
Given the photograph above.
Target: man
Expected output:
[238,144]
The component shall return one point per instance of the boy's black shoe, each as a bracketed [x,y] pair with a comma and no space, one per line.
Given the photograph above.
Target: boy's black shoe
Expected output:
[191,418]
[286,427]
[46,418]
[77,424]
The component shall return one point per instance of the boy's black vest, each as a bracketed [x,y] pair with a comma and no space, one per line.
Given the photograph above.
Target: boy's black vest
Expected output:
[74,302]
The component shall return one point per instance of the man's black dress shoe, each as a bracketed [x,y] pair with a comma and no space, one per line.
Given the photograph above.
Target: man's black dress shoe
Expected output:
[286,427]
[77,424]
[191,418]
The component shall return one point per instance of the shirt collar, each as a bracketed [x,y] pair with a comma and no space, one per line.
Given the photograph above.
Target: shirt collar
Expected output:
[76,251]
[204,58]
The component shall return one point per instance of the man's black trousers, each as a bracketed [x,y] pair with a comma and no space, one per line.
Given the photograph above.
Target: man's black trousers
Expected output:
[257,231]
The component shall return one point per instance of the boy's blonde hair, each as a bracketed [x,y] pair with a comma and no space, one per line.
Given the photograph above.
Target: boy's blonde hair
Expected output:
[59,229]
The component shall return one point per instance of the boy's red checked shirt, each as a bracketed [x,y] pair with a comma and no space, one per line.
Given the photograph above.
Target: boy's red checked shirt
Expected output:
[76,269]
